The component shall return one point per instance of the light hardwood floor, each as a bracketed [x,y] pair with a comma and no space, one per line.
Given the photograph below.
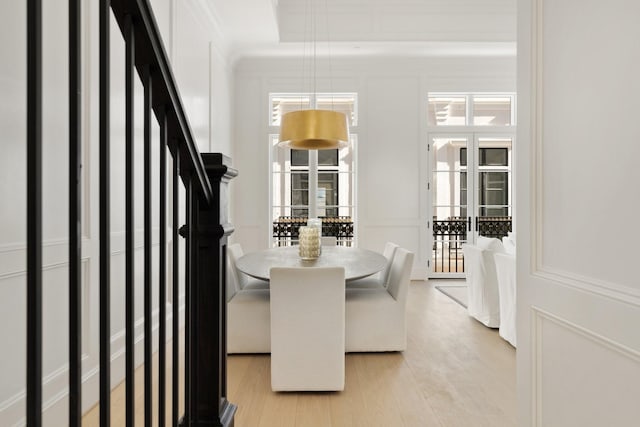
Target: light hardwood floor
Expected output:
[455,372]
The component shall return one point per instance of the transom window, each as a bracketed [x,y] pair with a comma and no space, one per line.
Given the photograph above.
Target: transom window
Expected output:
[471,109]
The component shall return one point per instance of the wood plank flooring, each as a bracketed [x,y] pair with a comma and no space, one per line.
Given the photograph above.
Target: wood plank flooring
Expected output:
[455,372]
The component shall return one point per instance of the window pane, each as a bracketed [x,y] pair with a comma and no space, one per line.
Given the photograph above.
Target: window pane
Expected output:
[492,110]
[344,103]
[449,188]
[494,157]
[327,194]
[300,212]
[447,111]
[450,153]
[300,188]
[299,157]
[282,104]
[463,193]
[325,157]
[494,188]
[328,157]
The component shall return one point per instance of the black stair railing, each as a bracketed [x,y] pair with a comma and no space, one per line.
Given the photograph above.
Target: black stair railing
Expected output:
[205,178]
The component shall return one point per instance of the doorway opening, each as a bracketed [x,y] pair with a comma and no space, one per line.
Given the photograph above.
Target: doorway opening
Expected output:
[470,195]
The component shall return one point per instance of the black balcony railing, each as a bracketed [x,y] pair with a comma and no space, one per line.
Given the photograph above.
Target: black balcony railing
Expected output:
[204,178]
[449,235]
[285,229]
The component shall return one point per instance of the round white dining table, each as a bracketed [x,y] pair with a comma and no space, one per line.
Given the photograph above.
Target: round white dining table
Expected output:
[357,263]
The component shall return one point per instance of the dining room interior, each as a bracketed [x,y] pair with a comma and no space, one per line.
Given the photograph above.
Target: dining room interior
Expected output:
[184,240]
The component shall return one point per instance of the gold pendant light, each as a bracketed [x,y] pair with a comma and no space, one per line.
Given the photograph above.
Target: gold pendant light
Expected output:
[314,129]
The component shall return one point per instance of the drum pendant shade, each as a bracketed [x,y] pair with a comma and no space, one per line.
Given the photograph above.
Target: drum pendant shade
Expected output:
[314,130]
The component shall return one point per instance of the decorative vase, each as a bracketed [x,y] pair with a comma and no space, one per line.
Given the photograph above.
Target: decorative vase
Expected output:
[309,245]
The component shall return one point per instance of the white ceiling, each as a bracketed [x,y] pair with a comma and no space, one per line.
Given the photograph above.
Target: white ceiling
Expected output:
[368,27]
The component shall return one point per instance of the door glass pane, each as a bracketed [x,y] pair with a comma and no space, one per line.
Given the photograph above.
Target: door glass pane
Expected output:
[325,157]
[493,186]
[299,157]
[494,157]
[299,192]
[491,110]
[328,157]
[328,194]
[447,111]
[450,198]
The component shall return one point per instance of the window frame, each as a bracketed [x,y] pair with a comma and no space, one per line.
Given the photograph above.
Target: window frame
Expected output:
[469,109]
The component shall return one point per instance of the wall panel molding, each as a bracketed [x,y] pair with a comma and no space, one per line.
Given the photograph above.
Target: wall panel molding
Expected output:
[538,318]
[590,285]
[536,134]
[55,255]
[55,384]
[55,252]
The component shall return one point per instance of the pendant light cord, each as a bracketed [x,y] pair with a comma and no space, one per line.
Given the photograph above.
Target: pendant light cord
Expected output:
[310,67]
[326,15]
[315,46]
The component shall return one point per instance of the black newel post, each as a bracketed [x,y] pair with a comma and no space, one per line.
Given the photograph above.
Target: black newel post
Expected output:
[207,338]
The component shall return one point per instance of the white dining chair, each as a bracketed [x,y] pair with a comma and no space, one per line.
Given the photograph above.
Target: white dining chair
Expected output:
[380,279]
[506,275]
[234,252]
[307,329]
[482,282]
[248,316]
[376,317]
[248,322]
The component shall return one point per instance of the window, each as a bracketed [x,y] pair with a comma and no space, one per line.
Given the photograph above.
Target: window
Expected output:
[290,168]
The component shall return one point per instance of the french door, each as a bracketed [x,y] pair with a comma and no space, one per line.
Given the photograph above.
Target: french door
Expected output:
[470,194]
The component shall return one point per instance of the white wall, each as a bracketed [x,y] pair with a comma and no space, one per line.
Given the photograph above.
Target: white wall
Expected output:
[391,168]
[204,80]
[578,288]
[204,75]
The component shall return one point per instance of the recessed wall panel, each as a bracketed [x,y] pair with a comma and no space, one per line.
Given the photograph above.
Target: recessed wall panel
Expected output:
[576,366]
[589,140]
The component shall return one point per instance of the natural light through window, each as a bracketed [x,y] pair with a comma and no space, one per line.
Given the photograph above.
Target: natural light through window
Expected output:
[335,198]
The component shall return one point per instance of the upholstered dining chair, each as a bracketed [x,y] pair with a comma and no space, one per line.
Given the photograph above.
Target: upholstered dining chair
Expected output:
[482,281]
[506,275]
[380,279]
[234,252]
[307,329]
[376,317]
[248,318]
